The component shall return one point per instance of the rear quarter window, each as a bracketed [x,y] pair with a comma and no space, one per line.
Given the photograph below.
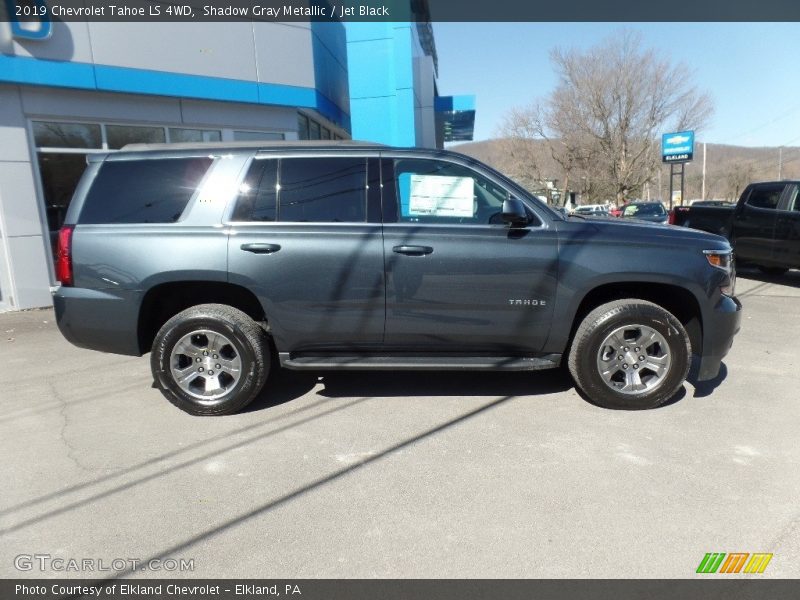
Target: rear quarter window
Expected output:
[143,191]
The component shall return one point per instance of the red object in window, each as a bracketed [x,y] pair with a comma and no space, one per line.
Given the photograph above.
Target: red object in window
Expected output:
[64,256]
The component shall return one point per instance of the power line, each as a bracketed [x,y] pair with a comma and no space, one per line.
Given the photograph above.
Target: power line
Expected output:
[763,125]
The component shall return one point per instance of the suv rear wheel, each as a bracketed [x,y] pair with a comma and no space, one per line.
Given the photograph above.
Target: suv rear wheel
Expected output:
[630,354]
[210,359]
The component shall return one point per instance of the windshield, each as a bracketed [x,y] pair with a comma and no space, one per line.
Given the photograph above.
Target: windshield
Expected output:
[640,210]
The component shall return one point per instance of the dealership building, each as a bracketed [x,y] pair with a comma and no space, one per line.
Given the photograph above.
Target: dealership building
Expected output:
[70,89]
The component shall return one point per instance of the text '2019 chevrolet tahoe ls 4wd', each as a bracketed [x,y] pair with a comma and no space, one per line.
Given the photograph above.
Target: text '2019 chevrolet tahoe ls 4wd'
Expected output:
[353,256]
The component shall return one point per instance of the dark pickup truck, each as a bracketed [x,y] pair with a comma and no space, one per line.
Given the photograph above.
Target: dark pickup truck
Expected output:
[217,258]
[763,227]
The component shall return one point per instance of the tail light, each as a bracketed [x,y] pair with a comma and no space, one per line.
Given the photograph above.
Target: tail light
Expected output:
[64,256]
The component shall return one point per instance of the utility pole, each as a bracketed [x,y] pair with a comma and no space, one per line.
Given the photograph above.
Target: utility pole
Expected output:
[780,162]
[703,193]
[660,193]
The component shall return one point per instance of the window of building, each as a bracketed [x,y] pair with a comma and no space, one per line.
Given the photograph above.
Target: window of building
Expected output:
[256,136]
[118,136]
[177,135]
[143,191]
[67,135]
[309,129]
[61,150]
[312,190]
[60,173]
[302,127]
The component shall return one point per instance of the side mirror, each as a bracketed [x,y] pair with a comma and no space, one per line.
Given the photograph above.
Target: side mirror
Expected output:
[514,213]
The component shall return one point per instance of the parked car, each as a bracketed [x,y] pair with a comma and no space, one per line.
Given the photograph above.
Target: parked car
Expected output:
[763,227]
[654,212]
[596,210]
[335,255]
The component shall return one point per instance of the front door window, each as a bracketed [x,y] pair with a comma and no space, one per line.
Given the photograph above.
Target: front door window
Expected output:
[440,192]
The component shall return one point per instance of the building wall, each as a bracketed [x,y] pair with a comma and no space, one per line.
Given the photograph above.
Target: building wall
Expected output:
[424,95]
[392,85]
[25,271]
[289,64]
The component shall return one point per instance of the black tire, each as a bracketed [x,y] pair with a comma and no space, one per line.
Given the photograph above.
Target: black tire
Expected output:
[248,343]
[772,271]
[605,320]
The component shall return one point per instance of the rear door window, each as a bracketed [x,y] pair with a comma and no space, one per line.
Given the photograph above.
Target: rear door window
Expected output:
[143,191]
[304,190]
[323,190]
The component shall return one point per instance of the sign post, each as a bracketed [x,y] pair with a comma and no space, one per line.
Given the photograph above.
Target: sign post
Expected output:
[677,148]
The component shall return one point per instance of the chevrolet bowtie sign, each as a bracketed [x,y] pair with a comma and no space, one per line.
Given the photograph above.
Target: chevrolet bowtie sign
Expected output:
[677,147]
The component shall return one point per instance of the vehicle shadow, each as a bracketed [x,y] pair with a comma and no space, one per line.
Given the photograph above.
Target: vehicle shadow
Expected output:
[282,386]
[285,385]
[703,389]
[340,384]
[790,278]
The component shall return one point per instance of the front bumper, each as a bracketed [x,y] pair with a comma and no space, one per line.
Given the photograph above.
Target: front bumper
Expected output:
[719,328]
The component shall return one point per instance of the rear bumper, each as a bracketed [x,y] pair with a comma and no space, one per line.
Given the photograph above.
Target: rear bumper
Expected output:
[99,320]
[718,332]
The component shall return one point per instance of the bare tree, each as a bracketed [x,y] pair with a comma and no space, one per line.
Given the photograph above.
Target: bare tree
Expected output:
[521,154]
[568,155]
[612,102]
[735,177]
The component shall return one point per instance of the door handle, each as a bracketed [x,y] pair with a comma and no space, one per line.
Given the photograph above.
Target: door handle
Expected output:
[413,250]
[261,248]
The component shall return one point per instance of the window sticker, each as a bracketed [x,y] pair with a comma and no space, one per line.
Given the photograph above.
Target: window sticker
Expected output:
[441,196]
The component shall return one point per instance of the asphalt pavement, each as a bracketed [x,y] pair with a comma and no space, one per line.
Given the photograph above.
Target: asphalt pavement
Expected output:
[409,475]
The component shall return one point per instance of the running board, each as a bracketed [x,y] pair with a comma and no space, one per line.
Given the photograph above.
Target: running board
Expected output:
[359,362]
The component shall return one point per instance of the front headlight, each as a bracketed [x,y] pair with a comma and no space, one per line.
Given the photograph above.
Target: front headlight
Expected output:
[723,260]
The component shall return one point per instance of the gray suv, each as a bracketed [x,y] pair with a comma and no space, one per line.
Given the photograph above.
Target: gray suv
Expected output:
[216,258]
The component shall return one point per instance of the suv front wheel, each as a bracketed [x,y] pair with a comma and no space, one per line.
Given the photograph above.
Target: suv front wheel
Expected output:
[210,359]
[630,354]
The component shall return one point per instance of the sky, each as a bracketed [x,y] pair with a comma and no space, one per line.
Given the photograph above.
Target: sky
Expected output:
[749,69]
